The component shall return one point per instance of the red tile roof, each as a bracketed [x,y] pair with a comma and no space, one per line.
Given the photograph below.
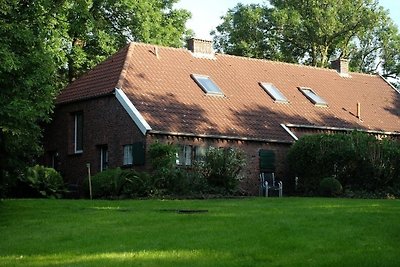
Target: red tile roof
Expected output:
[157,81]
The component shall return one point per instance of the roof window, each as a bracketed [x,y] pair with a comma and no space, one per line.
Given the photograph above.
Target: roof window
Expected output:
[274,92]
[313,97]
[206,84]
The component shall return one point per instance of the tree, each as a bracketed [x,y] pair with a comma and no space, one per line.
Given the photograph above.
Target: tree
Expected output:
[90,31]
[313,32]
[245,31]
[27,81]
[45,44]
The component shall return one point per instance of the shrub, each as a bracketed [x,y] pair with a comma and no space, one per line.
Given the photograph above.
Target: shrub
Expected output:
[163,161]
[330,187]
[42,181]
[358,160]
[118,183]
[106,184]
[138,184]
[222,167]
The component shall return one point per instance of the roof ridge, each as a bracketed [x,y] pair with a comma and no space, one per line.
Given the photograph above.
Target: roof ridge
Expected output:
[159,46]
[283,63]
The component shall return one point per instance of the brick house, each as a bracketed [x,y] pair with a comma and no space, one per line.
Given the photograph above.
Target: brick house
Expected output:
[196,99]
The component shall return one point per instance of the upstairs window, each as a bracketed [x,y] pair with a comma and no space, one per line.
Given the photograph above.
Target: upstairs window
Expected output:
[274,92]
[78,132]
[207,85]
[313,97]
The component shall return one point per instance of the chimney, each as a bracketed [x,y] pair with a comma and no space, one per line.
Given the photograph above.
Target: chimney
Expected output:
[200,47]
[341,65]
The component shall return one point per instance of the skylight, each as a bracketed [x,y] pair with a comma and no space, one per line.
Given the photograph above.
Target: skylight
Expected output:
[313,97]
[274,92]
[206,84]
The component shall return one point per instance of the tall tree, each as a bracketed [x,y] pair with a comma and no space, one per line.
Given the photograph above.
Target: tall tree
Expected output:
[313,32]
[27,74]
[45,44]
[93,30]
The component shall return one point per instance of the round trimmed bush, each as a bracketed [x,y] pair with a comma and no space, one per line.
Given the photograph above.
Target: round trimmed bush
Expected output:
[330,187]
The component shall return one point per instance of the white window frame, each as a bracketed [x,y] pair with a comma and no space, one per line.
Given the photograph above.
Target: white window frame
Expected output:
[184,155]
[128,155]
[198,79]
[313,97]
[274,92]
[76,150]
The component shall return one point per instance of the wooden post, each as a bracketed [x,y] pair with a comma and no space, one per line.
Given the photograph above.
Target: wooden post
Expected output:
[90,181]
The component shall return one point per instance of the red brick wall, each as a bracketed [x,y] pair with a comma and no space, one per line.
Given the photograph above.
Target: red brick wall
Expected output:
[250,183]
[105,122]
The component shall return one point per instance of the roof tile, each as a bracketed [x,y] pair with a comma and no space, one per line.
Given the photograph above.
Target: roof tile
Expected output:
[164,93]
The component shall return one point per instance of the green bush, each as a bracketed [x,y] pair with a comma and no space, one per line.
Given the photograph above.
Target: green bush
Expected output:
[222,168]
[163,160]
[117,183]
[330,187]
[138,184]
[43,181]
[358,160]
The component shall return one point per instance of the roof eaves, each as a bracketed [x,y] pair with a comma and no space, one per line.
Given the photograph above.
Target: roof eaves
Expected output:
[226,137]
[341,129]
[68,101]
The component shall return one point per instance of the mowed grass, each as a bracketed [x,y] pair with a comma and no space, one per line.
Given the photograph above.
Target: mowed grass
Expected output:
[234,232]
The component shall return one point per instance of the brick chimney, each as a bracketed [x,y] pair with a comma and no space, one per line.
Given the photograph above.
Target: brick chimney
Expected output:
[341,65]
[200,47]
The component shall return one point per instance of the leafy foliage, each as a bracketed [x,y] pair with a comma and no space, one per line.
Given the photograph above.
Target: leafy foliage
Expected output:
[313,32]
[330,187]
[222,167]
[117,183]
[359,161]
[90,31]
[46,44]
[27,81]
[40,181]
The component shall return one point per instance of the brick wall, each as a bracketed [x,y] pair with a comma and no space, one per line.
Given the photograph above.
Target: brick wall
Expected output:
[105,122]
[250,183]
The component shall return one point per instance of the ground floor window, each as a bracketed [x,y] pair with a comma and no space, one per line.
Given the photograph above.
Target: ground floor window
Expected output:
[187,154]
[103,158]
[134,154]
[128,155]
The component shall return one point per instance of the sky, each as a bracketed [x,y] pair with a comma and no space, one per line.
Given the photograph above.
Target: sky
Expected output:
[206,13]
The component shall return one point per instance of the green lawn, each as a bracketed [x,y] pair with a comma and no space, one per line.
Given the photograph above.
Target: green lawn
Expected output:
[245,232]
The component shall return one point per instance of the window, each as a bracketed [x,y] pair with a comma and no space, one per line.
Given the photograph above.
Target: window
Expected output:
[78,132]
[313,97]
[184,155]
[200,153]
[274,92]
[206,84]
[128,154]
[103,158]
[134,154]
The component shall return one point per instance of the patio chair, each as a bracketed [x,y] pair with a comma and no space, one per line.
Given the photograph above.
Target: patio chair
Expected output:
[268,183]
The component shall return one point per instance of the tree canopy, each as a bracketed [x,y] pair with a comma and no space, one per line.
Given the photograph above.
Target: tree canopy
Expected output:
[45,44]
[313,32]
